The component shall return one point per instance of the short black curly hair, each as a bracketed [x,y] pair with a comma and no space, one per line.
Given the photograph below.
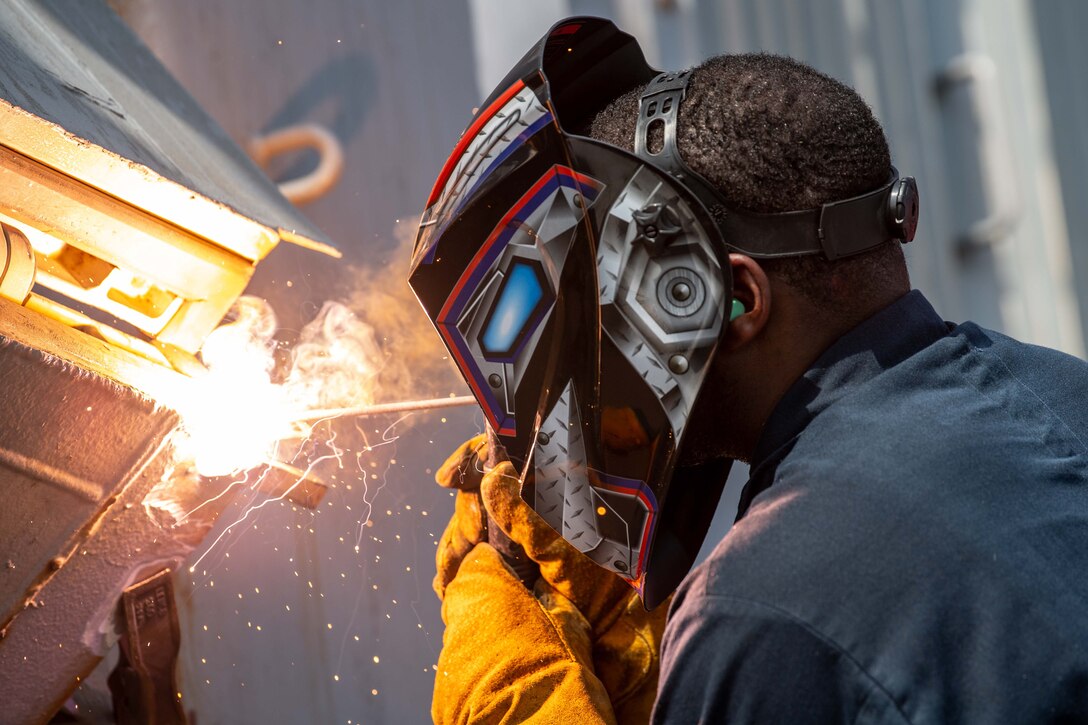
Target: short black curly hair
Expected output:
[773,134]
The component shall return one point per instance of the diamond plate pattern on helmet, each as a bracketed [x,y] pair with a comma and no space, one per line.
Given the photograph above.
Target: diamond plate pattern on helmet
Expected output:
[564,497]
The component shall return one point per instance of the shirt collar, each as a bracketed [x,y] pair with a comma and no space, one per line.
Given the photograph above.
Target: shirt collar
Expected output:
[881,342]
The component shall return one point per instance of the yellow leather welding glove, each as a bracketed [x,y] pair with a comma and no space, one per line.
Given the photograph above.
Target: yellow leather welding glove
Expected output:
[510,655]
[625,638]
[626,658]
[461,472]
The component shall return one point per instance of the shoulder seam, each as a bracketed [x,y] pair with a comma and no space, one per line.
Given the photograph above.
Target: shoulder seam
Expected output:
[1028,388]
[807,627]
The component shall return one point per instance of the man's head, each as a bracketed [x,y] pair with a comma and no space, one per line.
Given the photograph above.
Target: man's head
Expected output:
[585,291]
[774,135]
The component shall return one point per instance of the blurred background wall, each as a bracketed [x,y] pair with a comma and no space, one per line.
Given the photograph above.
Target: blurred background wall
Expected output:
[328,617]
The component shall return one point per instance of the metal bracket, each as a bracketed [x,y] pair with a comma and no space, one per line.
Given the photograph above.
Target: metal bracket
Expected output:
[143,683]
[978,70]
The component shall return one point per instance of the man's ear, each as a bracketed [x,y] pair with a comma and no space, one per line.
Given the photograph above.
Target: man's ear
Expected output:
[752,288]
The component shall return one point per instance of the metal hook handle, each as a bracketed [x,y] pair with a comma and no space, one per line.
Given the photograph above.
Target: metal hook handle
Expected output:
[318,182]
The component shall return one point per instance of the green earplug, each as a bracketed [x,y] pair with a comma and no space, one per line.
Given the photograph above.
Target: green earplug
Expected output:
[737,311]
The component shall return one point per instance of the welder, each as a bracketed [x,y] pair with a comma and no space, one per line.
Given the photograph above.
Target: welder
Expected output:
[644,276]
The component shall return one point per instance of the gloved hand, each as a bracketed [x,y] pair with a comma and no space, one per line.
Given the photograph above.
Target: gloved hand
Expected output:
[462,472]
[626,639]
[510,655]
[623,639]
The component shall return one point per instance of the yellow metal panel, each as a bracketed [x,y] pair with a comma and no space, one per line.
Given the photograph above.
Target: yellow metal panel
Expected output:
[50,336]
[138,185]
[206,276]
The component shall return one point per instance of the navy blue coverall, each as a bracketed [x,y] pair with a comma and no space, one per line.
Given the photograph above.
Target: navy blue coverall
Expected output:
[912,545]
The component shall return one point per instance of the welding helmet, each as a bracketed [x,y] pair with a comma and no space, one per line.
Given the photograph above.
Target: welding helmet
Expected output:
[582,291]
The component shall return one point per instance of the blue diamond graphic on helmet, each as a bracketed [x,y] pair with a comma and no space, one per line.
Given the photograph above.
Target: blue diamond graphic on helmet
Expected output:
[523,299]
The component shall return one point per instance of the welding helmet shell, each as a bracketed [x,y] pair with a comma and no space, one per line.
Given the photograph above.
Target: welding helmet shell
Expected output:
[582,292]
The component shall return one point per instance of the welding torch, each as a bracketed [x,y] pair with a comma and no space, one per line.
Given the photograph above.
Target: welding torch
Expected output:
[524,568]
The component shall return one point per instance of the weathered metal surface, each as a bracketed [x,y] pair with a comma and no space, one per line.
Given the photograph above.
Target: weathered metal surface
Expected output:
[92,497]
[84,96]
[70,439]
[78,452]
[68,624]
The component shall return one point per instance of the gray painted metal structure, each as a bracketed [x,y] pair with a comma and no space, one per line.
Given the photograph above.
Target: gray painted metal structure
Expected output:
[1060,26]
[78,453]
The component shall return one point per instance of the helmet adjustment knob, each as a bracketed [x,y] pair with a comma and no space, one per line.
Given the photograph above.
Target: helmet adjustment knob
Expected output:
[657,224]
